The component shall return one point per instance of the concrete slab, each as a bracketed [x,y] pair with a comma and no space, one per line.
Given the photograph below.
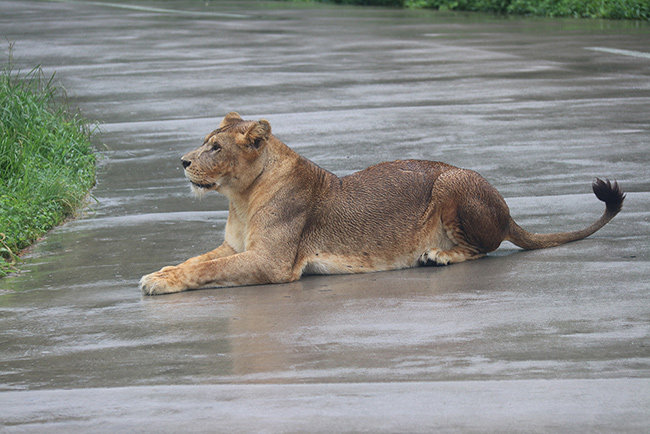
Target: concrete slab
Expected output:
[545,341]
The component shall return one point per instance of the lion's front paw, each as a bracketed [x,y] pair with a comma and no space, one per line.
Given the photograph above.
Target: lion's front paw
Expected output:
[165,281]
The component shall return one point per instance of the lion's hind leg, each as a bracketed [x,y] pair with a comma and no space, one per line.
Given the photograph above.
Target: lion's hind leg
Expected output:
[468,238]
[450,256]
[451,246]
[473,217]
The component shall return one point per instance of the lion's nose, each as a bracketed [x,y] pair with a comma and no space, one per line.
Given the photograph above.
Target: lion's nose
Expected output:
[186,163]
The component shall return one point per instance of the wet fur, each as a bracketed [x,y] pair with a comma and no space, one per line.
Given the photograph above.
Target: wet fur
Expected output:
[288,216]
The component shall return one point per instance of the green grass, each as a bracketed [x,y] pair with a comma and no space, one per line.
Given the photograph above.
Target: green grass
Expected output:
[47,163]
[611,9]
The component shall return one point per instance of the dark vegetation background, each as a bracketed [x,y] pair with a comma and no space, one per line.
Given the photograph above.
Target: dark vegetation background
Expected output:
[612,9]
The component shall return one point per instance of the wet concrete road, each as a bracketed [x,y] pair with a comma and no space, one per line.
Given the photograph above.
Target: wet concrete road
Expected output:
[545,341]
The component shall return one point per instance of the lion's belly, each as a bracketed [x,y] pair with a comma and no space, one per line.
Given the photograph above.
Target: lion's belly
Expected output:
[349,264]
[408,254]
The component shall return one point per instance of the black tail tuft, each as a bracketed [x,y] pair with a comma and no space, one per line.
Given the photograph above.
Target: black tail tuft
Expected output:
[610,193]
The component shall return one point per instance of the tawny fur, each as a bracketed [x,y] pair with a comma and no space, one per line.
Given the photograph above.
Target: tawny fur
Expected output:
[288,216]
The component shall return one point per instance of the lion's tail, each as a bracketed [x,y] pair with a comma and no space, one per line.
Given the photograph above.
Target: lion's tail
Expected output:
[608,192]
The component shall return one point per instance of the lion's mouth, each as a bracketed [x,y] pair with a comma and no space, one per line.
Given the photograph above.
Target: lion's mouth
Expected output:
[206,186]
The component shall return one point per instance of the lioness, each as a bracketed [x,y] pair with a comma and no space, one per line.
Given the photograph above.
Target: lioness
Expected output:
[288,216]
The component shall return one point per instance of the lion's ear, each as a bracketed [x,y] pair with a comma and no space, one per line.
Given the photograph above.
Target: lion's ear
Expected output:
[257,133]
[230,118]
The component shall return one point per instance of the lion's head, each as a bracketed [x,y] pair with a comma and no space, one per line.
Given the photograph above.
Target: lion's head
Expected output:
[229,159]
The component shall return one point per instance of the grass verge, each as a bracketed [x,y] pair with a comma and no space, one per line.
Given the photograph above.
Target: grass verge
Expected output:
[47,163]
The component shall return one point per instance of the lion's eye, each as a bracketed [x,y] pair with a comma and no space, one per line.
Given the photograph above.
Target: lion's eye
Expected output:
[216,148]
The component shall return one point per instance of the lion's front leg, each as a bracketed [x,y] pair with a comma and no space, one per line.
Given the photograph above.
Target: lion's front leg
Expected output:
[247,268]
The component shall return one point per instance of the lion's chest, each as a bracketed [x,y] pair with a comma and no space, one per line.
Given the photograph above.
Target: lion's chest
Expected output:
[236,233]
